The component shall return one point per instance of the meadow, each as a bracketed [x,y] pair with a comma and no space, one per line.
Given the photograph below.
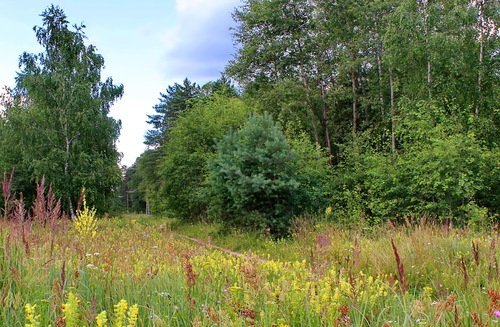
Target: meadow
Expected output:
[143,271]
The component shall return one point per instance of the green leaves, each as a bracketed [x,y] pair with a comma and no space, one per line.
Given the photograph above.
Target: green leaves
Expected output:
[64,132]
[175,173]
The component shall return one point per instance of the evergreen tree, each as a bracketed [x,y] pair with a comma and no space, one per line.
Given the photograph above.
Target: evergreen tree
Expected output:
[177,100]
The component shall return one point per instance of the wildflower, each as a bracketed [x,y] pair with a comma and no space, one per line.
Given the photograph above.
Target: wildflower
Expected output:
[496,313]
[120,313]
[282,323]
[132,314]
[70,311]
[101,319]
[328,211]
[427,293]
[85,222]
[32,320]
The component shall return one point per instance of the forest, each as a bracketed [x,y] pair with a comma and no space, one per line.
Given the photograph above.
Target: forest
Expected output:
[377,110]
[343,171]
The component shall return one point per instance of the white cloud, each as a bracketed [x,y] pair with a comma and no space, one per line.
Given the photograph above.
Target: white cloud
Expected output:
[199,44]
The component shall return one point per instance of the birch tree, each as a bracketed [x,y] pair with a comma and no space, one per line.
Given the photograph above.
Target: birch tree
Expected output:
[71,138]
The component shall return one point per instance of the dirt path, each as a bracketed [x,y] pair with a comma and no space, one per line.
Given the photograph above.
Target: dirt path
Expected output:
[214,246]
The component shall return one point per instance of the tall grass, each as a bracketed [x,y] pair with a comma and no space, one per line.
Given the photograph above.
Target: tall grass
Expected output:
[325,276]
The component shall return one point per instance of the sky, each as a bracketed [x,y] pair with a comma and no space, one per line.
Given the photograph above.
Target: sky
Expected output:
[147,45]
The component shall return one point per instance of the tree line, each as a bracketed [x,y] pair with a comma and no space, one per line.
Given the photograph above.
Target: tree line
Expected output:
[391,106]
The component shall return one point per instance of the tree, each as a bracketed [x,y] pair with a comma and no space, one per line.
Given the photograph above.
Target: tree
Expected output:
[278,43]
[148,178]
[182,165]
[67,134]
[253,177]
[177,100]
[222,86]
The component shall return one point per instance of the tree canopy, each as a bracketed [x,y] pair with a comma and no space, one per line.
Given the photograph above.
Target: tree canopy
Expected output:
[60,127]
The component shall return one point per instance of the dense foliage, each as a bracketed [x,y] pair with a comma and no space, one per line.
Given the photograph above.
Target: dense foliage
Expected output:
[180,166]
[400,93]
[183,172]
[389,112]
[253,177]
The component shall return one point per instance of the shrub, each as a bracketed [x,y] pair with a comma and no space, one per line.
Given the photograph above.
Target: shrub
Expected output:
[191,143]
[313,173]
[253,177]
[444,178]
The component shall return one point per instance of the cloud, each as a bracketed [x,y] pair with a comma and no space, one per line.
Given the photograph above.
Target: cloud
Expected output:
[199,44]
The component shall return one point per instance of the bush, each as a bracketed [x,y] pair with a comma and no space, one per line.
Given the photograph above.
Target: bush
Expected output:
[445,178]
[313,172]
[253,177]
[191,143]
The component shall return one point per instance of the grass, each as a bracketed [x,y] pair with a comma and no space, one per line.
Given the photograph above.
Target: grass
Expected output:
[323,276]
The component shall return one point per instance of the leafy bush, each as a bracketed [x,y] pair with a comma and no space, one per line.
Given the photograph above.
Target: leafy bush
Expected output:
[253,177]
[183,163]
[446,178]
[313,173]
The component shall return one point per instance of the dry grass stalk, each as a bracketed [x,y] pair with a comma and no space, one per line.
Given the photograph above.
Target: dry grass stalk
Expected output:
[19,213]
[25,232]
[476,321]
[46,208]
[356,252]
[39,208]
[250,273]
[190,276]
[249,315]
[492,264]
[344,319]
[463,267]
[401,269]
[494,304]
[447,305]
[475,252]
[211,314]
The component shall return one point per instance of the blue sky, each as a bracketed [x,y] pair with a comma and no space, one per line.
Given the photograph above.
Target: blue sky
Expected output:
[147,45]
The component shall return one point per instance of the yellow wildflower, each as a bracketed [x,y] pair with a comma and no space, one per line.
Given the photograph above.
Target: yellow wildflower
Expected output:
[132,314]
[101,319]
[120,313]
[328,211]
[32,320]
[85,222]
[70,311]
